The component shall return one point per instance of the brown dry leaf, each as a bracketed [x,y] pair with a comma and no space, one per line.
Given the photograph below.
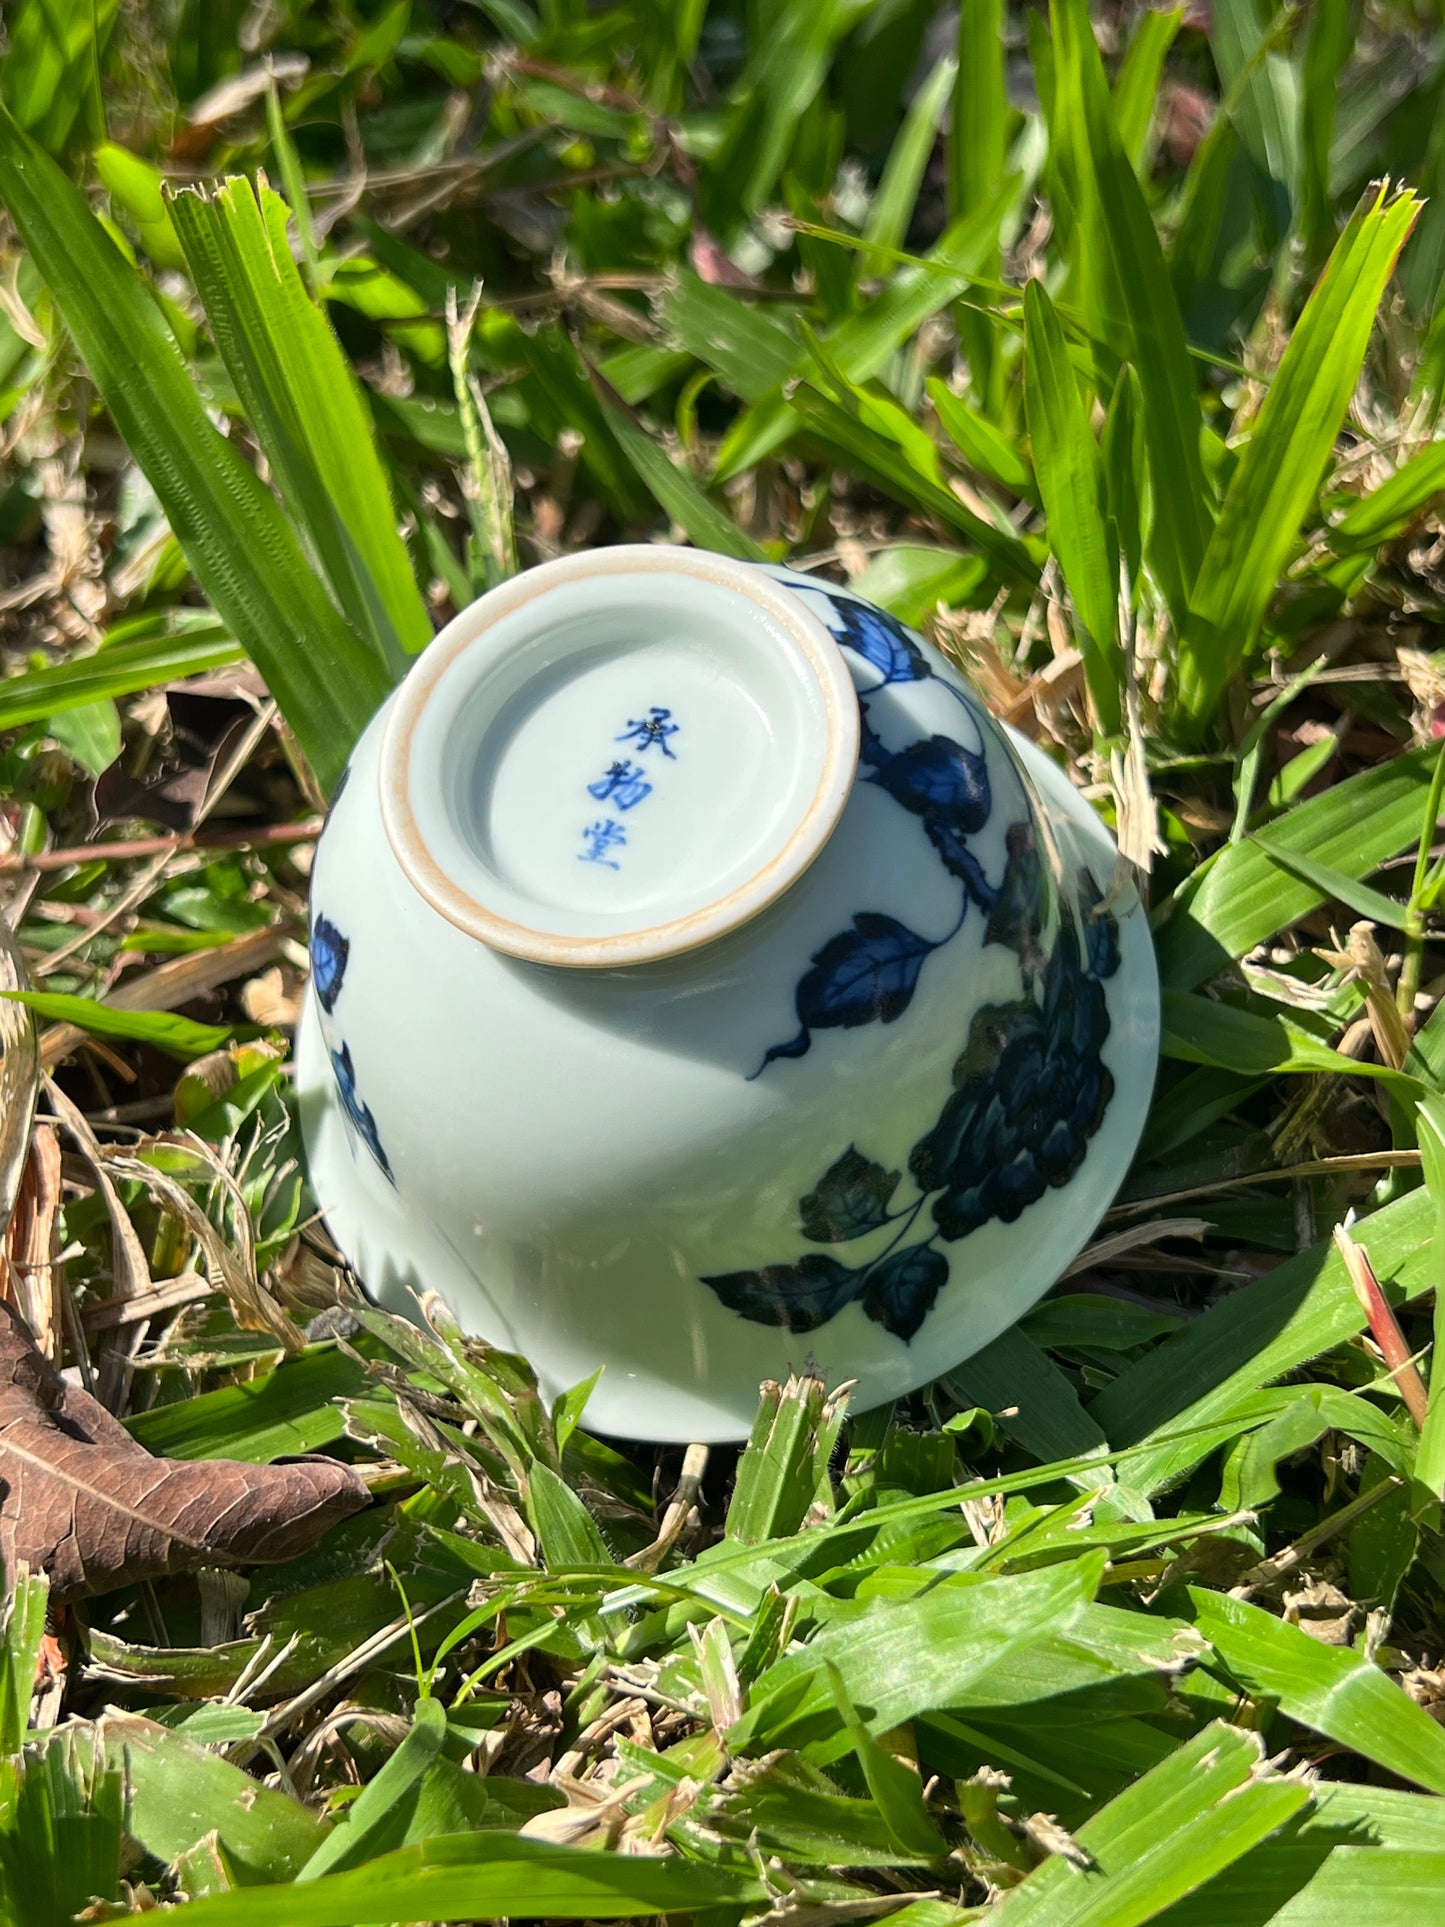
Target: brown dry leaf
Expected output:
[208,718]
[81,1501]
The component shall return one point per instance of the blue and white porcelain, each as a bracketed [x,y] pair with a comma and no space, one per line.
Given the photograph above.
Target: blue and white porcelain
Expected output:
[705,985]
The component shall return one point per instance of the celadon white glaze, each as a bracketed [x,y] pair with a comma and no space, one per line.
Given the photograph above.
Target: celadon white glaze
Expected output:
[790,1088]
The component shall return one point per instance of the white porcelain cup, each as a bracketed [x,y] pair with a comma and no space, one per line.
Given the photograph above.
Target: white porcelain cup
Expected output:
[705,985]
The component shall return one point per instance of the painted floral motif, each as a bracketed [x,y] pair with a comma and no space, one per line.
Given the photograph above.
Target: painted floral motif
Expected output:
[868,974]
[1030,1087]
[330,952]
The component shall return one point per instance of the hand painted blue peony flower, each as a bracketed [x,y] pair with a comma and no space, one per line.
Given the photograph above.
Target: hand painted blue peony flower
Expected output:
[901,1288]
[1031,1089]
[329,952]
[344,1072]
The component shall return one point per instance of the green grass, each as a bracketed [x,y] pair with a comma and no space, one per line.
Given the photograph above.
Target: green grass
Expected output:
[1115,358]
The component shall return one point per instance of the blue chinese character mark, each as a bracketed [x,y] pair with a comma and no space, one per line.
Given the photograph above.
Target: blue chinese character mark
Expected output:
[601,837]
[623,782]
[654,727]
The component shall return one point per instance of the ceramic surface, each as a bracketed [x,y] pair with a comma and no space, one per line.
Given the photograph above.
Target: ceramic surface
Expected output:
[677,1010]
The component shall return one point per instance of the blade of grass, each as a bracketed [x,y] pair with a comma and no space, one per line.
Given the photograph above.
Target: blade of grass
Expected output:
[486,1876]
[1071,480]
[1194,1814]
[116,669]
[1430,1135]
[1280,467]
[327,681]
[1128,301]
[1336,884]
[775,1483]
[1388,510]
[862,344]
[1254,1337]
[979,133]
[1331,1689]
[917,1656]
[1136,91]
[306,407]
[1198,1030]
[1261,92]
[988,449]
[377,1818]
[1326,50]
[1240,897]
[896,1791]
[897,194]
[670,485]
[1030,1397]
[177,1036]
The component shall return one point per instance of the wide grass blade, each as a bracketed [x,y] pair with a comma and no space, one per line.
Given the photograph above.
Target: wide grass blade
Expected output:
[485,1876]
[24,1629]
[1188,1818]
[1280,468]
[116,669]
[1242,896]
[1070,474]
[893,204]
[980,108]
[915,1657]
[1261,89]
[1254,1337]
[1128,300]
[1136,91]
[376,1822]
[326,679]
[1333,1689]
[304,402]
[1388,510]
[673,489]
[177,1036]
[863,343]
[1326,48]
[51,70]
[179,1792]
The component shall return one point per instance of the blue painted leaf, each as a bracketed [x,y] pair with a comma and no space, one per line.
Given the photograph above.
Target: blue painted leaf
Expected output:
[338,786]
[851,1197]
[866,975]
[360,1114]
[799,1297]
[901,1288]
[329,952]
[879,639]
[937,777]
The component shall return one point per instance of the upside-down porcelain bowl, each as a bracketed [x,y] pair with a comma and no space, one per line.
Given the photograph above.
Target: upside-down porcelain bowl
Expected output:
[706,985]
